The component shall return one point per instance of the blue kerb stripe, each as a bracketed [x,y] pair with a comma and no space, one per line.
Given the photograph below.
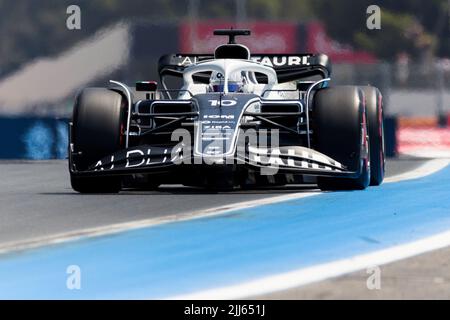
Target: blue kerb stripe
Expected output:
[183,257]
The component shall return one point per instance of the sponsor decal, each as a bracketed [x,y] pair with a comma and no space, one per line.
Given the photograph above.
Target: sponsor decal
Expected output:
[274,61]
[187,61]
[251,149]
[281,61]
[135,158]
[222,103]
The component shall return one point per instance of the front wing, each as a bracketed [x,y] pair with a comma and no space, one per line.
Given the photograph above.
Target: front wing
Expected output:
[146,159]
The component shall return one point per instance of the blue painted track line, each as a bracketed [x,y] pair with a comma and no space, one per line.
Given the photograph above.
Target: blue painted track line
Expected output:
[189,256]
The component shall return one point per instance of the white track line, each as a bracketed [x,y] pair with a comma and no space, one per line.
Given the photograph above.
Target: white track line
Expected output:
[428,168]
[321,272]
[431,153]
[126,226]
[333,269]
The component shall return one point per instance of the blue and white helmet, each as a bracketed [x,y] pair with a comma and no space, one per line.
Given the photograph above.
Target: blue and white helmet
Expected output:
[235,82]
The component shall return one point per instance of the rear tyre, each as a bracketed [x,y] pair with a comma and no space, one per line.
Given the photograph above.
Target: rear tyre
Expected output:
[374,109]
[340,132]
[98,119]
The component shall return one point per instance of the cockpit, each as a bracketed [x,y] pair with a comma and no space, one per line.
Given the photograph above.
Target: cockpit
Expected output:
[228,76]
[236,82]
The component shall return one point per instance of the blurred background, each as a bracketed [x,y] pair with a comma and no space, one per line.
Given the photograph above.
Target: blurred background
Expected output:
[43,63]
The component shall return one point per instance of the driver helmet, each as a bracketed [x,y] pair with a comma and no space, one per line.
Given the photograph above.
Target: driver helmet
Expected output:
[217,82]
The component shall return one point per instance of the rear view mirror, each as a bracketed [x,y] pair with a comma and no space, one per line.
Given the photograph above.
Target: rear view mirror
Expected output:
[147,86]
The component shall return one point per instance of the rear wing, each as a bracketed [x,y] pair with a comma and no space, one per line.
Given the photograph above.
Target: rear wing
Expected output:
[289,67]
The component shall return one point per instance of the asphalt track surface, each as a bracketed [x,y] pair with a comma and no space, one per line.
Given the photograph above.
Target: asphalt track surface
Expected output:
[36,201]
[426,276]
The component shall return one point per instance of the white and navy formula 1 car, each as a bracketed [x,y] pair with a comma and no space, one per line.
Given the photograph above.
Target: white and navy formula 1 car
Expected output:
[236,120]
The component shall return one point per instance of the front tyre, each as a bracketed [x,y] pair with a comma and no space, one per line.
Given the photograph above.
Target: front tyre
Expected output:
[340,132]
[97,132]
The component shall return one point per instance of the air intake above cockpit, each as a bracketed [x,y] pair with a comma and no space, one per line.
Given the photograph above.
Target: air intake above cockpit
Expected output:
[232,50]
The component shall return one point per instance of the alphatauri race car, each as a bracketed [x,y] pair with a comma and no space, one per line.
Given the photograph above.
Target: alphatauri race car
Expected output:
[236,119]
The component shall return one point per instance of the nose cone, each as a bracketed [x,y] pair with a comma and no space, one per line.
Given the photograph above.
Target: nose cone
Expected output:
[218,125]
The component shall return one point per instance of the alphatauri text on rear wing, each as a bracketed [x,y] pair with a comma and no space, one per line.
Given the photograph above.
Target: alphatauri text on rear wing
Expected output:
[289,67]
